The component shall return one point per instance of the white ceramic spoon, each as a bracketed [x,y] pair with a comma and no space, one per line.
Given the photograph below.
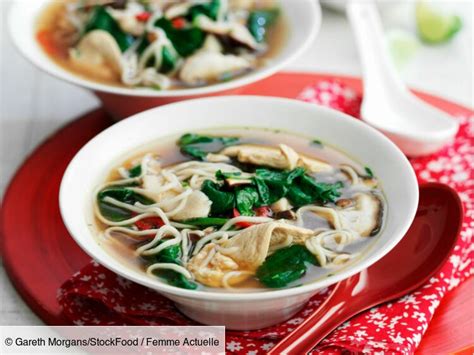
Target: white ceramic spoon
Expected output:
[416,127]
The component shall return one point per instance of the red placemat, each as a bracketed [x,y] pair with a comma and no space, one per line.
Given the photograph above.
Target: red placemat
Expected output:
[52,253]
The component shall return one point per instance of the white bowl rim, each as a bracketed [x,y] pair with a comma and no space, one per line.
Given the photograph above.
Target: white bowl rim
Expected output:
[256,75]
[267,294]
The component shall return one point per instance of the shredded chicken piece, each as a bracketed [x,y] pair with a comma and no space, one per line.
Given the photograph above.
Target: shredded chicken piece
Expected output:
[244,252]
[281,157]
[197,205]
[99,54]
[209,66]
[217,158]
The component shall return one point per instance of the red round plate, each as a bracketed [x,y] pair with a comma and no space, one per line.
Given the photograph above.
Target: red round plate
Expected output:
[38,253]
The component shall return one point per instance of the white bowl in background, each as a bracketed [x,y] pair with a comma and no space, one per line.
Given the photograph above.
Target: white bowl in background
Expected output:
[303,18]
[239,310]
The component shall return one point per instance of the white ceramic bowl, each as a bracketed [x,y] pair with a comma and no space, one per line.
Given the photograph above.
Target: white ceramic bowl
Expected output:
[239,310]
[303,17]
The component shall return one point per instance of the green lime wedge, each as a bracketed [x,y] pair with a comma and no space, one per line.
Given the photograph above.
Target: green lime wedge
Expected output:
[435,26]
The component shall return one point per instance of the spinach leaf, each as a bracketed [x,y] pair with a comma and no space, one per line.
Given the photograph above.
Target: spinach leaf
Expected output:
[210,10]
[226,141]
[277,182]
[299,197]
[284,266]
[102,20]
[245,199]
[168,56]
[176,279]
[300,188]
[271,185]
[144,43]
[220,175]
[186,41]
[293,174]
[267,187]
[319,191]
[277,191]
[191,138]
[206,221]
[195,152]
[135,171]
[368,171]
[259,21]
[113,213]
[171,254]
[263,191]
[222,201]
[168,61]
[193,144]
[121,194]
[124,195]
[279,177]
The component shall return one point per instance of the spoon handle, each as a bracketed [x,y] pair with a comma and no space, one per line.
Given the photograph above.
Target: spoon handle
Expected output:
[330,314]
[378,70]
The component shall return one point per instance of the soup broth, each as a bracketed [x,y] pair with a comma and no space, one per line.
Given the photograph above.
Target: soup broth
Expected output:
[146,46]
[238,209]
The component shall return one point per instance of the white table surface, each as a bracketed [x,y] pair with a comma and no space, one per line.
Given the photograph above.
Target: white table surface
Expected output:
[33,105]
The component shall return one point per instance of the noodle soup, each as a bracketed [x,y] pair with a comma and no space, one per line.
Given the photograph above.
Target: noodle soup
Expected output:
[161,44]
[238,209]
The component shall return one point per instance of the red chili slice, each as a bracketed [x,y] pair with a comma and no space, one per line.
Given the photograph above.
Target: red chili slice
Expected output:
[149,223]
[143,16]
[263,211]
[236,213]
[178,22]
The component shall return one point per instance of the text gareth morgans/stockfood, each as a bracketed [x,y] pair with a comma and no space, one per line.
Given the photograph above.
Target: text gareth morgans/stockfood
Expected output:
[116,341]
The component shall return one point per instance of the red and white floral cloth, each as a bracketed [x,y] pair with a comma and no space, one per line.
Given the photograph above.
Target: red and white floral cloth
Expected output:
[96,296]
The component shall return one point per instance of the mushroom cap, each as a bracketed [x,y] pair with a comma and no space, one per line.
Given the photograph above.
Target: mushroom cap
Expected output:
[364,216]
[362,213]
